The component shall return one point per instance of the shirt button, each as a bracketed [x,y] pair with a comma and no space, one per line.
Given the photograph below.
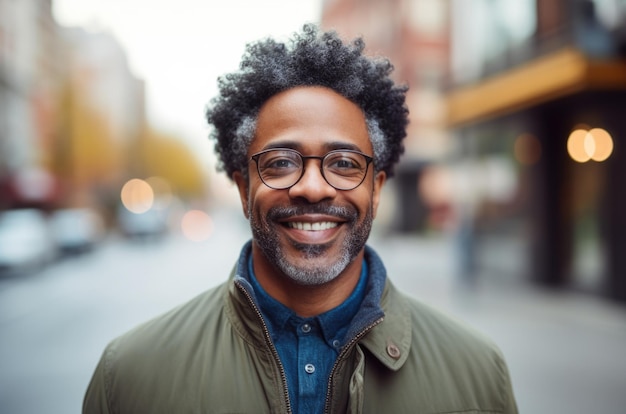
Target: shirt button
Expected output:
[306,328]
[336,343]
[309,368]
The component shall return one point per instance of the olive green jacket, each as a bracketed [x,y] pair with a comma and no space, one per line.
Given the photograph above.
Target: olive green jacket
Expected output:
[214,355]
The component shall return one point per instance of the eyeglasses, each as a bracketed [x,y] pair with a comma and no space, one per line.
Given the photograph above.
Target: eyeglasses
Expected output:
[282,168]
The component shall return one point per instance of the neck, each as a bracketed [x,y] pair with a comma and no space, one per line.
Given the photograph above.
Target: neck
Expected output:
[306,300]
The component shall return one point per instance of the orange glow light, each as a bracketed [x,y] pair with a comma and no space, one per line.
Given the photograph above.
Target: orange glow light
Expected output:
[137,196]
[603,144]
[576,146]
[595,144]
[197,225]
[527,149]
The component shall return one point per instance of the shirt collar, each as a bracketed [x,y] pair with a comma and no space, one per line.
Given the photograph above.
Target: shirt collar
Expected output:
[358,311]
[333,323]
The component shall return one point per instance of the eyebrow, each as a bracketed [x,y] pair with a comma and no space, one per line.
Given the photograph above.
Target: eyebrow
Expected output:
[297,145]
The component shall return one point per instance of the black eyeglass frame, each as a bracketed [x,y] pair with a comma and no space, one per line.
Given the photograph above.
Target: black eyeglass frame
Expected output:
[255,158]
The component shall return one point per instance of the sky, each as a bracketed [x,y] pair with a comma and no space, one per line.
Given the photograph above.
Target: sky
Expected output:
[180,47]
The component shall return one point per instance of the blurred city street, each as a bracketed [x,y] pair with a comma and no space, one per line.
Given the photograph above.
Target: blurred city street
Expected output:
[513,168]
[565,350]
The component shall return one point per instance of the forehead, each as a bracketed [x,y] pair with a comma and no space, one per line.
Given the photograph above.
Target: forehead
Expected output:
[311,119]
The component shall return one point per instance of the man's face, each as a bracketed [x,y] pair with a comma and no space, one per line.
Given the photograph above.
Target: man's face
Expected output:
[311,231]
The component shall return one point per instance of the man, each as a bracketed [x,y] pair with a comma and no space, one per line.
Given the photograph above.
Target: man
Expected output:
[308,321]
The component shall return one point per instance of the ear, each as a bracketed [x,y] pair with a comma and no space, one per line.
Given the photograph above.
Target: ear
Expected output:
[242,186]
[379,182]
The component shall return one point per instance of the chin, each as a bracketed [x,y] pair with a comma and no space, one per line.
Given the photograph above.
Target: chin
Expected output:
[315,265]
[311,274]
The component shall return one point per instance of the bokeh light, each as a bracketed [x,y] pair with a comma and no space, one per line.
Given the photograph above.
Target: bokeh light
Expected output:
[576,146]
[197,225]
[527,149]
[137,196]
[603,144]
[594,144]
[435,185]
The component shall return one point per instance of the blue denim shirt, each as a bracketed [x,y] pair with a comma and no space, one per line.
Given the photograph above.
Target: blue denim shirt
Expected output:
[308,347]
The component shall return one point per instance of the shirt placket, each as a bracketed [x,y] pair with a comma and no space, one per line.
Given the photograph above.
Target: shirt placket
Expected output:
[308,362]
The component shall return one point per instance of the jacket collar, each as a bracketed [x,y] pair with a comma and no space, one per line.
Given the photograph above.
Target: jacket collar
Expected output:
[390,340]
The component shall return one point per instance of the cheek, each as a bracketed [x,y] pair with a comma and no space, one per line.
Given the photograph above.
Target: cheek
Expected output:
[362,201]
[261,199]
[370,201]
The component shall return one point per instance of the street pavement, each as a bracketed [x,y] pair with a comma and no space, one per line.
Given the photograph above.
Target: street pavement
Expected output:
[565,350]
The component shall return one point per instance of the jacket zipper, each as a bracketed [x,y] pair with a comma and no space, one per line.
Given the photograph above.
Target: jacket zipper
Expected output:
[270,344]
[343,353]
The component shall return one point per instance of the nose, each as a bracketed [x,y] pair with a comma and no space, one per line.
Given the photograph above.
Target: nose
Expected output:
[312,186]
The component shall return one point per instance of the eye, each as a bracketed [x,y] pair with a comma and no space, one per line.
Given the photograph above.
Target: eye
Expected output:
[345,161]
[279,162]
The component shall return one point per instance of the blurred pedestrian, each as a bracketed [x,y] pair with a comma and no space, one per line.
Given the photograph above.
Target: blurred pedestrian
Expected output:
[308,322]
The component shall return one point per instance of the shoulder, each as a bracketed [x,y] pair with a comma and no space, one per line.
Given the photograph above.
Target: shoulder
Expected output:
[173,328]
[187,358]
[142,367]
[430,323]
[161,345]
[458,356]
[442,359]
[446,341]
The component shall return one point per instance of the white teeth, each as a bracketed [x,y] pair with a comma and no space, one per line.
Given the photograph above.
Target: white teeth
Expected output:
[325,225]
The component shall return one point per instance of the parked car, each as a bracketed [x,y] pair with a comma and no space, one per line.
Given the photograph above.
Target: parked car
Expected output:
[76,230]
[25,241]
[149,225]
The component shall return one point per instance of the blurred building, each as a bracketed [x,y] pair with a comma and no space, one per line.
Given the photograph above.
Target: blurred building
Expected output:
[70,110]
[103,116]
[414,35]
[536,100]
[29,76]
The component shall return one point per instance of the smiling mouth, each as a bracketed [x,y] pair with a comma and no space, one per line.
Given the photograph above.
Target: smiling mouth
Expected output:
[317,226]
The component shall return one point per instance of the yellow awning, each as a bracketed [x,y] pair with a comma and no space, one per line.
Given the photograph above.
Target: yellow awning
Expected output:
[562,73]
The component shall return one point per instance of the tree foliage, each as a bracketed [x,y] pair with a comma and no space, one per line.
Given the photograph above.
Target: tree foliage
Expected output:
[168,157]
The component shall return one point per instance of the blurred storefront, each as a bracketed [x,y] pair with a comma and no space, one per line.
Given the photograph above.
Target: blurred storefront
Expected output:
[536,102]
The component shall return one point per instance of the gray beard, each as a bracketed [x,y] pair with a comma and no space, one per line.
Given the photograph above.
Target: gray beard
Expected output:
[316,270]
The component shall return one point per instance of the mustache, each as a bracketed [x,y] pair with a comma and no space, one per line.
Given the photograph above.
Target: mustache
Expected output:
[284,212]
